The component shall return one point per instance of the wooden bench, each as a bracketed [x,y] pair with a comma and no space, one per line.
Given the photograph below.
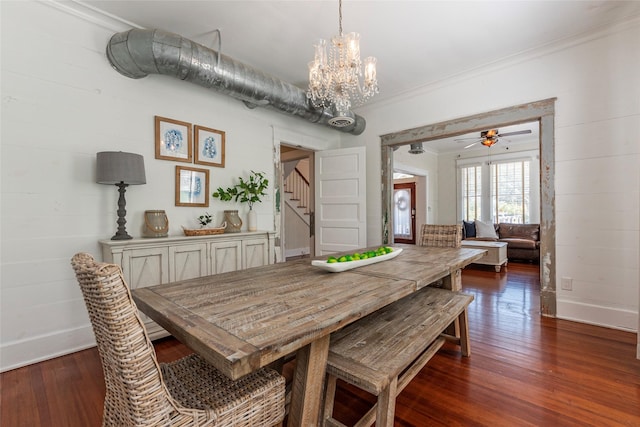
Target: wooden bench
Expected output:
[381,353]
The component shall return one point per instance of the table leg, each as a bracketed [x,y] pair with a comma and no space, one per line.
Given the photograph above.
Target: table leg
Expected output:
[308,378]
[453,281]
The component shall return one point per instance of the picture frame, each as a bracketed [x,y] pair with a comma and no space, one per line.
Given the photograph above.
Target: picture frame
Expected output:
[173,140]
[192,187]
[209,146]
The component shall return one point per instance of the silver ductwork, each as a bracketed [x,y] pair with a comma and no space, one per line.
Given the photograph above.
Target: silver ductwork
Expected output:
[138,52]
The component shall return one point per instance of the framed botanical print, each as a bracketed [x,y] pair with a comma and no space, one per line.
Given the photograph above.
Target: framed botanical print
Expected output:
[173,140]
[209,146]
[192,187]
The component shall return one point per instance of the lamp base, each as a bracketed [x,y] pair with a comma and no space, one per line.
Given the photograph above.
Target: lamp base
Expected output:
[124,236]
[121,234]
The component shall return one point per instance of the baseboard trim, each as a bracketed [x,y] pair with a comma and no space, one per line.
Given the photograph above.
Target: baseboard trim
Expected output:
[296,252]
[17,354]
[615,318]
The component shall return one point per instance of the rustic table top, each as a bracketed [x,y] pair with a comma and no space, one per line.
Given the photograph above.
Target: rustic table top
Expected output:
[241,321]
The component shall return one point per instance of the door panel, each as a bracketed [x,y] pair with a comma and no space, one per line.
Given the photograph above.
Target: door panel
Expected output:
[340,186]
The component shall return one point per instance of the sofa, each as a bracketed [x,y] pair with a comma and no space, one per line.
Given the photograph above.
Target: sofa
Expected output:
[523,240]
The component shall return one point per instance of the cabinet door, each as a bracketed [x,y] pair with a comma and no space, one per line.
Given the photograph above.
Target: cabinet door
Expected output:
[254,253]
[145,267]
[187,261]
[225,256]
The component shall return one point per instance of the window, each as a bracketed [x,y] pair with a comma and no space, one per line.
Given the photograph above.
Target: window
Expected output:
[510,191]
[499,188]
[471,192]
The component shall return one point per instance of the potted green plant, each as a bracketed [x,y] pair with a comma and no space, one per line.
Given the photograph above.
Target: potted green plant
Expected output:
[247,191]
[205,219]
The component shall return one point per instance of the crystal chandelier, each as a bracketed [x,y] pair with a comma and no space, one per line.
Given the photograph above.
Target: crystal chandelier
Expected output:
[334,79]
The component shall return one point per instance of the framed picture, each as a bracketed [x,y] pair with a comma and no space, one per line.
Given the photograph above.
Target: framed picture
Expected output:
[192,187]
[209,146]
[173,140]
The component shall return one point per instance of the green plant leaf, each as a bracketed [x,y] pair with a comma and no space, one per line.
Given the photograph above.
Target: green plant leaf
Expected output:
[246,191]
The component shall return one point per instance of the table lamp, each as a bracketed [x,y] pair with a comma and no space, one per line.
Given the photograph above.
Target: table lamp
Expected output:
[121,169]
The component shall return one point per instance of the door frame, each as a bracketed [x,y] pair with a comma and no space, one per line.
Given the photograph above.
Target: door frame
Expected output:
[542,111]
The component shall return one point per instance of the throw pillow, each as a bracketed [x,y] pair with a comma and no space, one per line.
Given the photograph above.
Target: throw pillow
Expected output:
[469,228]
[484,230]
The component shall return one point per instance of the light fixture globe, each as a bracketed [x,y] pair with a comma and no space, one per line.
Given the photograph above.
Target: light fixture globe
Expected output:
[416,148]
[336,78]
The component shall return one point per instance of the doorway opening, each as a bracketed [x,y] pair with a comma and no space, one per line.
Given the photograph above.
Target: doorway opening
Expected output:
[297,202]
[542,112]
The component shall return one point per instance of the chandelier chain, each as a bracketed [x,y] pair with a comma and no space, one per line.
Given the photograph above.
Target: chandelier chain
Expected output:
[340,17]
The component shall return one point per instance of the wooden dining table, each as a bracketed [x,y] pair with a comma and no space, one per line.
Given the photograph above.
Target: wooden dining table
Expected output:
[244,320]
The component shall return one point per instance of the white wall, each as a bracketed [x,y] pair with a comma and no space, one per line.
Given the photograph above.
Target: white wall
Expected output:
[61,103]
[597,154]
[424,165]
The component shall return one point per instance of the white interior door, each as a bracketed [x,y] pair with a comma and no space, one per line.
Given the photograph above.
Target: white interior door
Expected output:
[340,200]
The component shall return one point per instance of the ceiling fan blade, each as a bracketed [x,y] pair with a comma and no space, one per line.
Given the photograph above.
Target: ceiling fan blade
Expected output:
[520,132]
[459,140]
[471,145]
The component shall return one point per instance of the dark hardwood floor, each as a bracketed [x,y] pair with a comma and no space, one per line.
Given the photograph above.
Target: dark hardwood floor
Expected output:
[525,370]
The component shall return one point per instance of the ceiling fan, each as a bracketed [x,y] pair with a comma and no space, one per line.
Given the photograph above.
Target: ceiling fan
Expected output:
[490,137]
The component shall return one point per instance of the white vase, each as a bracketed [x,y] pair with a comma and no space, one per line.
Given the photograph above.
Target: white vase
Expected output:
[252,220]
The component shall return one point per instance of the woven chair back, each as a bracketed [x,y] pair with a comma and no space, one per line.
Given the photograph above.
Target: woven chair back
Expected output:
[136,394]
[441,236]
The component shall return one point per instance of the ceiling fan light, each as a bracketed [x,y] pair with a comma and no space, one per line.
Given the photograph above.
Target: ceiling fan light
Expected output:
[416,148]
[488,142]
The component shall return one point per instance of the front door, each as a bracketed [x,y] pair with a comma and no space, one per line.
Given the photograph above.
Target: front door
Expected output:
[404,213]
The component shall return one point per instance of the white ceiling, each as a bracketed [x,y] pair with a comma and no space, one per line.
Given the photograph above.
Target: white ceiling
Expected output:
[416,42]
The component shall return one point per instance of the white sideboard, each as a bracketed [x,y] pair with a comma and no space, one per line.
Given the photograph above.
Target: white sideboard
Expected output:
[153,261]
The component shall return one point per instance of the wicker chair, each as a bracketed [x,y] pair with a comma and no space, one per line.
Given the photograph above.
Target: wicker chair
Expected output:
[441,236]
[141,391]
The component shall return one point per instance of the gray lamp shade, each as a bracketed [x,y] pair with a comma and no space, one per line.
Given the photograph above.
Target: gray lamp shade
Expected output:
[115,167]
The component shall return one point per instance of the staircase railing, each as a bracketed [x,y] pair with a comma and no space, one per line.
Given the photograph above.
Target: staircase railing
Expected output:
[298,186]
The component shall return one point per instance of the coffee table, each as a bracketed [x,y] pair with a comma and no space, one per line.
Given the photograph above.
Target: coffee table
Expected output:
[496,252]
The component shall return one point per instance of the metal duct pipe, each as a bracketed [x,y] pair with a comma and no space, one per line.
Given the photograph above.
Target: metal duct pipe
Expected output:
[138,52]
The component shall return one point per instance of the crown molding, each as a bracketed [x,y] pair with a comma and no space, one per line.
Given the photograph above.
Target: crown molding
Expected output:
[86,12]
[508,61]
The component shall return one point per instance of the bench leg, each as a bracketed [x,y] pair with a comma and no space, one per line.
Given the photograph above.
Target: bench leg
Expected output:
[387,405]
[465,345]
[461,333]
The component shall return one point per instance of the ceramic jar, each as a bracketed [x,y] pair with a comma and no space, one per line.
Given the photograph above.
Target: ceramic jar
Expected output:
[156,224]
[234,223]
[252,220]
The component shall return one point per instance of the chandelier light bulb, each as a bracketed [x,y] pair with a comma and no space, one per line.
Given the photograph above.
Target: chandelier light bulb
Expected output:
[370,71]
[353,49]
[321,52]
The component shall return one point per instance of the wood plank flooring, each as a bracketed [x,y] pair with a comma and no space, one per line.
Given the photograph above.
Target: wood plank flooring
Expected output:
[525,370]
